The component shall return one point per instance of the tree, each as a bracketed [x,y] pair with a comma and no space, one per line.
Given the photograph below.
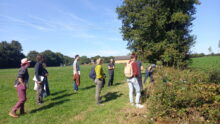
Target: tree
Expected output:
[154,29]
[10,54]
[32,56]
[84,60]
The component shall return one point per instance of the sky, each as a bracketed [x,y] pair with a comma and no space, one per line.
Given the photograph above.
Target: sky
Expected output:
[87,27]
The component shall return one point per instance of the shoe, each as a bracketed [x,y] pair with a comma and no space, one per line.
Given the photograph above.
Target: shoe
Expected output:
[132,104]
[139,106]
[100,104]
[13,114]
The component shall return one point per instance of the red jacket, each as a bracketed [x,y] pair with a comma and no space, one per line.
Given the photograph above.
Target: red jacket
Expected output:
[134,69]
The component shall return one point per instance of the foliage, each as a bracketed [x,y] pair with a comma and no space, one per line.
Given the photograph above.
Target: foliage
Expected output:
[10,54]
[184,96]
[158,29]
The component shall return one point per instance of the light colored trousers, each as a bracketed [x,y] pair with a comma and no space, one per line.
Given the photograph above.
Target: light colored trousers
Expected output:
[133,84]
[99,84]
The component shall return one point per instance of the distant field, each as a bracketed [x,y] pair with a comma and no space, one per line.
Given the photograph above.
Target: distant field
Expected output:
[205,63]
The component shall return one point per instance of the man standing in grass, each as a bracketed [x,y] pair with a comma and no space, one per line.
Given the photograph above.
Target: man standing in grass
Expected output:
[39,78]
[76,73]
[111,67]
[139,77]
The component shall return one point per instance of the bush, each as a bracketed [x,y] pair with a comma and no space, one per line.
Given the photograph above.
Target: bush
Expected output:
[184,96]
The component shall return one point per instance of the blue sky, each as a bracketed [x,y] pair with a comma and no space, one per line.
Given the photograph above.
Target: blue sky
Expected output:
[87,27]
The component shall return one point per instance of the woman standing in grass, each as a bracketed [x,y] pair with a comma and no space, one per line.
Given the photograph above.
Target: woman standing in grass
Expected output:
[99,80]
[20,85]
[133,82]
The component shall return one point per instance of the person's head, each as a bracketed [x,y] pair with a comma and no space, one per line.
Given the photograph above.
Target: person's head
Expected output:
[25,62]
[99,61]
[111,60]
[133,57]
[77,57]
[40,58]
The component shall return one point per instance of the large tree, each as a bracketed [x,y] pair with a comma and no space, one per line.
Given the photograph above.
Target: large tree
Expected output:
[10,54]
[158,29]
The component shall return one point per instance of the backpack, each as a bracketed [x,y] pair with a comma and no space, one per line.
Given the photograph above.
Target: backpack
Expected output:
[92,73]
[128,70]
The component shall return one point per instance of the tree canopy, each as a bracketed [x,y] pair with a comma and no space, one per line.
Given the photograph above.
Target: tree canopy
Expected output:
[159,29]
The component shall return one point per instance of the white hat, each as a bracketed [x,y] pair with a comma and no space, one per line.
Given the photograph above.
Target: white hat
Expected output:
[25,61]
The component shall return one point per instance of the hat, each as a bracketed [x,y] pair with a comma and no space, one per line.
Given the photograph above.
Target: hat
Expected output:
[24,61]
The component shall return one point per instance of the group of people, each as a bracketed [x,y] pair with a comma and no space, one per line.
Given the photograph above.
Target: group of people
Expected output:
[21,84]
[42,87]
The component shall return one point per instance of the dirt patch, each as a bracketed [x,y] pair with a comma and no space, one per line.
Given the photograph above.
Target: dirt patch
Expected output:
[132,115]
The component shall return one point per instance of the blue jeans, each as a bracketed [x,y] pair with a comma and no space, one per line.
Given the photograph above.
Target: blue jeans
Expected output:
[133,84]
[75,87]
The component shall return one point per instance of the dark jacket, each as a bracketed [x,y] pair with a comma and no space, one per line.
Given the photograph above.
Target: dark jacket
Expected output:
[39,71]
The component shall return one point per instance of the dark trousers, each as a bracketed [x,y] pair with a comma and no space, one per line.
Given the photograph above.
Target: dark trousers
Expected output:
[21,89]
[148,74]
[46,85]
[40,92]
[111,78]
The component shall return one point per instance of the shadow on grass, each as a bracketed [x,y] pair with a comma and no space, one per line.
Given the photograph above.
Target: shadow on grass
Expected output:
[60,97]
[58,92]
[116,84]
[89,87]
[50,106]
[111,96]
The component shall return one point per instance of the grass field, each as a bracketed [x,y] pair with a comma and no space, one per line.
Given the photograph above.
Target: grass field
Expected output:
[64,106]
[205,63]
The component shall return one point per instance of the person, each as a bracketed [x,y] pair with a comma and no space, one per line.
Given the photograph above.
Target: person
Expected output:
[111,67]
[139,77]
[149,73]
[133,82]
[39,74]
[76,73]
[20,84]
[46,84]
[99,80]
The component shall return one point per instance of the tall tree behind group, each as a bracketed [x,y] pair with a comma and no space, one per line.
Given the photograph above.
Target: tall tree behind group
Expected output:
[10,54]
[159,29]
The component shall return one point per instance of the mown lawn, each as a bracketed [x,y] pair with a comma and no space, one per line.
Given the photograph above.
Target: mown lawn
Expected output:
[64,106]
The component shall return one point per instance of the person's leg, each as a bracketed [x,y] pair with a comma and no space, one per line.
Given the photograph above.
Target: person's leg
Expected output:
[98,90]
[140,83]
[22,98]
[112,78]
[40,93]
[137,89]
[131,90]
[75,86]
[109,80]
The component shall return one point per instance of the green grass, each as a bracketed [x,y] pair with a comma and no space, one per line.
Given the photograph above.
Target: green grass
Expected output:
[205,63]
[64,106]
